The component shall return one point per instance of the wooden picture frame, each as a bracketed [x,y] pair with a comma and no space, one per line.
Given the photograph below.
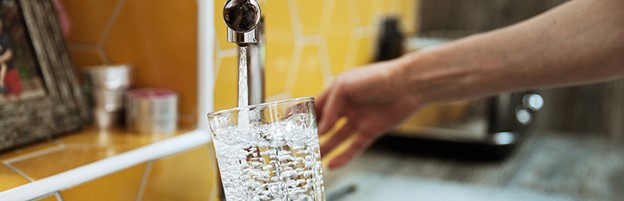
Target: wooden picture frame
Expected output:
[47,99]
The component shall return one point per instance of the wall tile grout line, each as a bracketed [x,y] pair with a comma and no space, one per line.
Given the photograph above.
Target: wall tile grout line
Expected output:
[111,23]
[107,31]
[103,55]
[351,53]
[148,169]
[8,162]
[292,72]
[19,172]
[311,39]
[326,18]
[19,158]
[297,29]
[58,196]
[362,31]
[325,63]
[353,13]
[295,20]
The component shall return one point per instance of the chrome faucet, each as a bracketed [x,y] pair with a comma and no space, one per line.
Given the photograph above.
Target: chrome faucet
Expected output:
[246,29]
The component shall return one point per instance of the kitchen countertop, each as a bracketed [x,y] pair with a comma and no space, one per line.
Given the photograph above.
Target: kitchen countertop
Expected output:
[548,165]
[85,164]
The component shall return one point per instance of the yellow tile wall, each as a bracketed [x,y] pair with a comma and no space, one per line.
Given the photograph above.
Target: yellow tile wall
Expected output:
[157,37]
[308,43]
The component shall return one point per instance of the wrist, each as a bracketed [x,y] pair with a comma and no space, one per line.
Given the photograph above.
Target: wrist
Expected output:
[431,75]
[401,80]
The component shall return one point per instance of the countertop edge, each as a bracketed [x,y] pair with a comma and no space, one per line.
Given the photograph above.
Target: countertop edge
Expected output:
[91,171]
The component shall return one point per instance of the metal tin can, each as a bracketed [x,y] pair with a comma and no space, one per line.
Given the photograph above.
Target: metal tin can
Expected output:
[105,87]
[152,111]
[109,77]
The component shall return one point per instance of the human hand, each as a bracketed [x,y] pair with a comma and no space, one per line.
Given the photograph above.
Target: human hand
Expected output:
[374,99]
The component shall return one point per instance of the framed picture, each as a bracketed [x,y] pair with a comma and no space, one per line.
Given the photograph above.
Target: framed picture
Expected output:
[39,94]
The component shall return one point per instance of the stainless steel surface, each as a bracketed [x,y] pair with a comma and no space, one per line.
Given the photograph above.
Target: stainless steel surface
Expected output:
[255,67]
[109,100]
[105,87]
[109,77]
[242,38]
[242,17]
[152,111]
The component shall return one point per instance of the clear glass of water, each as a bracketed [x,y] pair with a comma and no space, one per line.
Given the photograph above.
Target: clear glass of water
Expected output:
[269,151]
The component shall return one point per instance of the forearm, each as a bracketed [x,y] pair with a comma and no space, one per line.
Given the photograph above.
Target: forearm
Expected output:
[578,42]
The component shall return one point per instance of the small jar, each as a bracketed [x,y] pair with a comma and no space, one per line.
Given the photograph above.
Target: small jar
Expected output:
[152,111]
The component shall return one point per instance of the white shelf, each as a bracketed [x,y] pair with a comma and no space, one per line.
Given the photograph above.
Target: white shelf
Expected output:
[91,171]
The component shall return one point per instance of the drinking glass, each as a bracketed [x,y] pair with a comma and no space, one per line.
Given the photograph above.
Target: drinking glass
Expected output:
[269,151]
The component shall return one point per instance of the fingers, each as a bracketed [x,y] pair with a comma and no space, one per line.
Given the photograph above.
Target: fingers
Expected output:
[358,146]
[337,139]
[331,109]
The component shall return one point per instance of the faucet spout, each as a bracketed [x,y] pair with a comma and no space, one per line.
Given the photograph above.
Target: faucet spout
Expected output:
[246,29]
[242,18]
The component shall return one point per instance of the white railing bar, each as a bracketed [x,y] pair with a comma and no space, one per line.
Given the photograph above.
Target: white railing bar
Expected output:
[106,166]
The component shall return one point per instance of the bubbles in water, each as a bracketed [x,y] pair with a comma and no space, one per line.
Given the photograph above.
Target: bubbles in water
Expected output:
[279,161]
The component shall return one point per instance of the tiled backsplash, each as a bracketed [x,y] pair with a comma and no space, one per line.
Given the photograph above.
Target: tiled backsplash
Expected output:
[157,37]
[308,43]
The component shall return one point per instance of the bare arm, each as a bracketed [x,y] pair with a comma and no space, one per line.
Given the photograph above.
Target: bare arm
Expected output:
[578,42]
